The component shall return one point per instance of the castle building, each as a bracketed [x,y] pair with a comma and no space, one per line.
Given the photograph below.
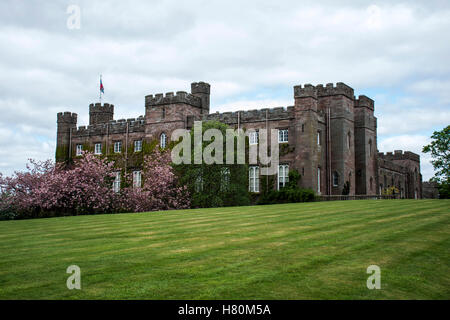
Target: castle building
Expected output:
[328,135]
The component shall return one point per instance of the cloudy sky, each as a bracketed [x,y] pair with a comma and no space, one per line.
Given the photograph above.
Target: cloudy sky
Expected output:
[251,52]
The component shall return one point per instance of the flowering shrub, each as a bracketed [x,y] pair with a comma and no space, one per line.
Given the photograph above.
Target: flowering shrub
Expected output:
[159,190]
[85,187]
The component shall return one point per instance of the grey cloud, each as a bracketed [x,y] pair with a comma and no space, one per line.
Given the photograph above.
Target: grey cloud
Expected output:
[239,47]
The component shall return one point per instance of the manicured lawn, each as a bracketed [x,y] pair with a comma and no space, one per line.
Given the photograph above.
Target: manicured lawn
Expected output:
[292,251]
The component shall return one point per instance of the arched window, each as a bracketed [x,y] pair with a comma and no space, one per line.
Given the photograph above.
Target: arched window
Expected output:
[371,184]
[163,140]
[370,148]
[335,179]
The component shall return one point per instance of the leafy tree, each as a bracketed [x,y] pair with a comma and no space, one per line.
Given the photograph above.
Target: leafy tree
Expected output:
[215,185]
[439,148]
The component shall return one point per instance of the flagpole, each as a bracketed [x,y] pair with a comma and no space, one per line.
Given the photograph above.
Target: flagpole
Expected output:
[100,89]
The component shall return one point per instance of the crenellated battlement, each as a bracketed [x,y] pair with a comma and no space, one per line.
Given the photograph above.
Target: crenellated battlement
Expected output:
[67,117]
[278,113]
[106,107]
[308,90]
[113,126]
[99,113]
[170,98]
[200,87]
[399,155]
[364,101]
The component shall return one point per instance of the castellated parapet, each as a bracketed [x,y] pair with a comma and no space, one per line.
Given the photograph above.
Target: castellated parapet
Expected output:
[202,90]
[169,98]
[67,117]
[112,127]
[99,113]
[278,113]
[364,101]
[308,90]
[399,155]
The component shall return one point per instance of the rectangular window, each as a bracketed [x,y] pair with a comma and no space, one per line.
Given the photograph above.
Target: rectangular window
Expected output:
[253,179]
[79,149]
[98,148]
[225,181]
[116,183]
[282,135]
[199,183]
[137,179]
[283,175]
[138,146]
[118,147]
[318,138]
[253,137]
[318,180]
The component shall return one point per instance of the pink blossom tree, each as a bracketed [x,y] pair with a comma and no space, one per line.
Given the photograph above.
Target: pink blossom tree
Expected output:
[85,187]
[159,189]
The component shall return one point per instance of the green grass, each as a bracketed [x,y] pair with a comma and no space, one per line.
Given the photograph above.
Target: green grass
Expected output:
[291,251]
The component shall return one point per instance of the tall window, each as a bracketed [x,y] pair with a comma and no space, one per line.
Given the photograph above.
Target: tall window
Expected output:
[283,135]
[318,137]
[79,149]
[225,179]
[335,179]
[371,184]
[349,139]
[253,179]
[199,183]
[137,179]
[116,183]
[118,147]
[138,146]
[370,148]
[98,148]
[253,137]
[283,175]
[163,141]
[318,180]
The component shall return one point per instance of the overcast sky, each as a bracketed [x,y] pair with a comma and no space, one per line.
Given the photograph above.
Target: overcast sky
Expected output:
[251,52]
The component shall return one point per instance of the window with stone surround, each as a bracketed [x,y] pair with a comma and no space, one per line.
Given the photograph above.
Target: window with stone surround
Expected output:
[283,135]
[137,179]
[318,180]
[349,140]
[283,175]
[98,148]
[335,179]
[319,136]
[116,183]
[253,137]
[79,149]
[225,179]
[137,145]
[117,146]
[163,140]
[253,179]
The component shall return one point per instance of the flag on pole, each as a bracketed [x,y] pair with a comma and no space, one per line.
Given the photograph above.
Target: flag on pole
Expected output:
[102,89]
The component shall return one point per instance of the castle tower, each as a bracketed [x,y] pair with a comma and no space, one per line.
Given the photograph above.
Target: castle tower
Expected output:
[308,158]
[99,113]
[365,146]
[202,90]
[66,122]
[339,102]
